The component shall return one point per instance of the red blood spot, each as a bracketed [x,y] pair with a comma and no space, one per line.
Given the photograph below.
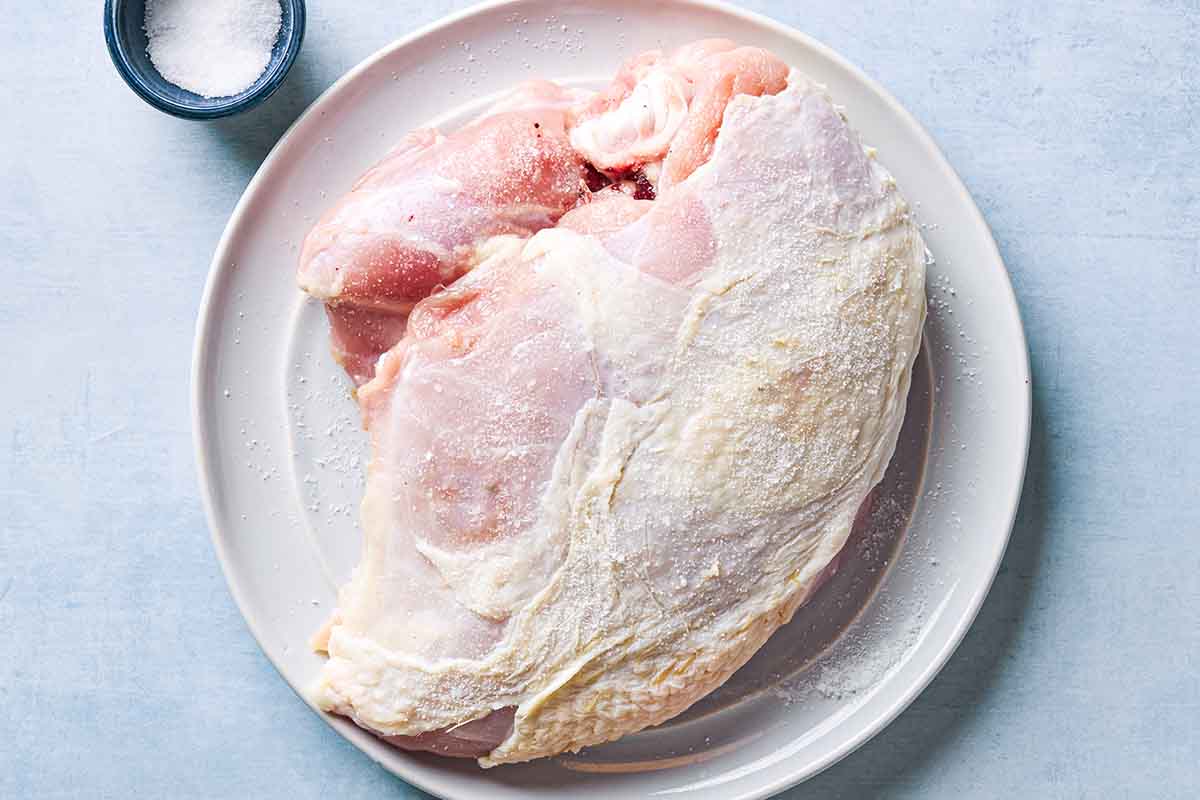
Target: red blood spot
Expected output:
[594,178]
[642,188]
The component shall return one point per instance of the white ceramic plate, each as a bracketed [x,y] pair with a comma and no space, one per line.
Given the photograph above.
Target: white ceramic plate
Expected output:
[281,457]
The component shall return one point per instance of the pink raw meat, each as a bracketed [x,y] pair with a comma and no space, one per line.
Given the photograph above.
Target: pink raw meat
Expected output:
[413,222]
[718,346]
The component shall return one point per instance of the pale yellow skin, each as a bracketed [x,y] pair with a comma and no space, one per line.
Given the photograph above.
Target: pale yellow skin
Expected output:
[676,460]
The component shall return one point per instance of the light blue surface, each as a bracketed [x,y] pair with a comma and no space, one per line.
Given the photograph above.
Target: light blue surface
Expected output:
[126,670]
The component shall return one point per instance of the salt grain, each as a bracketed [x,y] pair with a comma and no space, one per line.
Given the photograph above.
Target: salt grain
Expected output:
[214,48]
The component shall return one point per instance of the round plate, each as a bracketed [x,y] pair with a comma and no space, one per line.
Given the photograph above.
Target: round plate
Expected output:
[281,456]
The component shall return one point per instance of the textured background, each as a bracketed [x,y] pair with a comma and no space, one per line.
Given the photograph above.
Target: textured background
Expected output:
[125,669]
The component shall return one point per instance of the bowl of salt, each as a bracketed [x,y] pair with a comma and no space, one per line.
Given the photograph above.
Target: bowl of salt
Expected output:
[203,59]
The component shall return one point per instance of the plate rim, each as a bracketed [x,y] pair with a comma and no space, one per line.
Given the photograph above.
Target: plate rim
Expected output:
[219,266]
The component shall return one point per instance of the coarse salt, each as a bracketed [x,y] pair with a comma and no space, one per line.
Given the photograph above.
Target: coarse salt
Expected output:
[214,48]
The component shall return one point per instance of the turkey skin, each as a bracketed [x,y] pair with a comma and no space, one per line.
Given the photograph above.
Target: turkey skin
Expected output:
[628,439]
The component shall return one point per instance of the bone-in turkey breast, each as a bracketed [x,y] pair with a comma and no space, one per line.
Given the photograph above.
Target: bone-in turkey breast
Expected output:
[615,456]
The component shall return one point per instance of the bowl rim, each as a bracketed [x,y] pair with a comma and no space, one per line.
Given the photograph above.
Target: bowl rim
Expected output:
[236,103]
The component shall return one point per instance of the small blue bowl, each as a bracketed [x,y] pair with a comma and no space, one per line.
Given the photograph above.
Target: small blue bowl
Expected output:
[126,39]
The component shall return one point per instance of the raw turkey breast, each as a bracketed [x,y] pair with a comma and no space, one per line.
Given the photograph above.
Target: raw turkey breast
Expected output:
[619,451]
